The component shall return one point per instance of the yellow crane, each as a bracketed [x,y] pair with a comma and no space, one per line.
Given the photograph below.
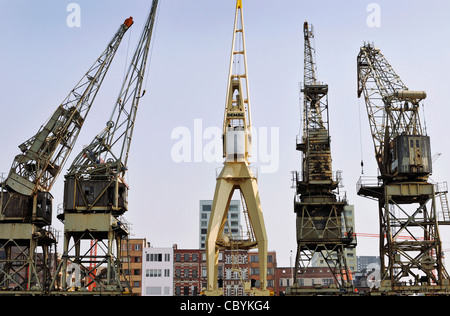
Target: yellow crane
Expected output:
[236,173]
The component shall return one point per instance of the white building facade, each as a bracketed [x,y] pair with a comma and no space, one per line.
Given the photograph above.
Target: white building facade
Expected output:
[157,268]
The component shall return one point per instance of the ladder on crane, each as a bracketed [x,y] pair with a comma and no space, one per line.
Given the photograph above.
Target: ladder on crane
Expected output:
[441,191]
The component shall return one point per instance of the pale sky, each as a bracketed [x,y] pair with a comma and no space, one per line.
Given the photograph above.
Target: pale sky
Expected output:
[42,58]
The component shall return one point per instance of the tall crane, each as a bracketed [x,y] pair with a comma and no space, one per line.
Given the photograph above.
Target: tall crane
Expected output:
[406,199]
[236,173]
[322,229]
[26,201]
[95,191]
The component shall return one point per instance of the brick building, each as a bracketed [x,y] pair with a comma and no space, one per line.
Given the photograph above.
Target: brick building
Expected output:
[234,268]
[132,252]
[253,260]
[284,277]
[187,267]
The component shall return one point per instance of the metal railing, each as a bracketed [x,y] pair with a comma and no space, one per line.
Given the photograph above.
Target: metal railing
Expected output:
[368,181]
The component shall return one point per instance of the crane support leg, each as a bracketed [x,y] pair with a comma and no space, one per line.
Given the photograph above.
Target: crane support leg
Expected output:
[250,191]
[217,220]
[234,176]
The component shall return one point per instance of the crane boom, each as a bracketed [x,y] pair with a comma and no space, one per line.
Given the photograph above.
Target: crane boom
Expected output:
[110,148]
[237,123]
[44,154]
[315,143]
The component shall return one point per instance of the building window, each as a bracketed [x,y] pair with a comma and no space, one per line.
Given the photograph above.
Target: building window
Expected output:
[153,273]
[167,272]
[178,257]
[167,257]
[327,281]
[186,257]
[154,257]
[153,290]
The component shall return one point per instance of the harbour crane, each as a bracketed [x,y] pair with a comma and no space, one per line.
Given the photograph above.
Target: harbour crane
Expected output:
[406,198]
[236,173]
[26,201]
[323,231]
[95,191]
